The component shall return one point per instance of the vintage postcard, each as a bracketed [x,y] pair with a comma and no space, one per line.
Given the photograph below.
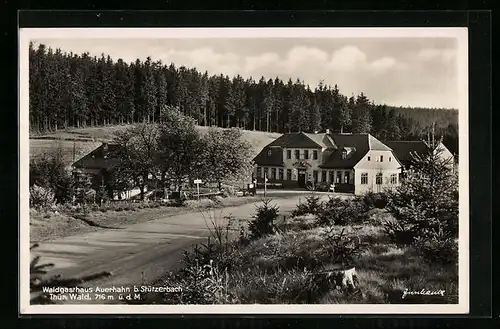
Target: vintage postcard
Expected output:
[244,170]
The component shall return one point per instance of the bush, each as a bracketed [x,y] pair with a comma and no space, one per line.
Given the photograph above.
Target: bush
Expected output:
[41,197]
[340,212]
[434,247]
[264,220]
[374,200]
[425,209]
[49,170]
[312,206]
[341,247]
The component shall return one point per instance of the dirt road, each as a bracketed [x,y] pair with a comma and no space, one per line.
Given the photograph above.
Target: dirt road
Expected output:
[139,252]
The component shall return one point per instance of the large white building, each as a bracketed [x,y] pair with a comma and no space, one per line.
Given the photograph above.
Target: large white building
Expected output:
[355,163]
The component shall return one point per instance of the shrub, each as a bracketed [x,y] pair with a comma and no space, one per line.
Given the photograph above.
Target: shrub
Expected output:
[426,201]
[49,170]
[435,247]
[201,284]
[263,222]
[336,211]
[341,247]
[374,200]
[312,206]
[41,197]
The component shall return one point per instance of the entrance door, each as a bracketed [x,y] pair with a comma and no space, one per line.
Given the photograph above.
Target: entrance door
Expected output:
[301,179]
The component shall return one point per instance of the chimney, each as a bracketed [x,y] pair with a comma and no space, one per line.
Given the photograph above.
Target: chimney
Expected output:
[327,131]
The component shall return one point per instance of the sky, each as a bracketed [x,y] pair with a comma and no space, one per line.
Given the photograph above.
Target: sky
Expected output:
[417,72]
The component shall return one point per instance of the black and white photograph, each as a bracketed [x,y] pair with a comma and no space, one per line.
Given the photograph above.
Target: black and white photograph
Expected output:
[256,170]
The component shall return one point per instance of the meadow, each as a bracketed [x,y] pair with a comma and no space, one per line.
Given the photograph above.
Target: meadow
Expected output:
[84,140]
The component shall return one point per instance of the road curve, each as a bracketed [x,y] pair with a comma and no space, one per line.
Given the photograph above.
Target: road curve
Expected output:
[140,252]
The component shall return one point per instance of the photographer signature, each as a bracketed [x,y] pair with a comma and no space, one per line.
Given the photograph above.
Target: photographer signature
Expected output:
[423,292]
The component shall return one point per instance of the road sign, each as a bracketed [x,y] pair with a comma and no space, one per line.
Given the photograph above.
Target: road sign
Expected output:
[198,182]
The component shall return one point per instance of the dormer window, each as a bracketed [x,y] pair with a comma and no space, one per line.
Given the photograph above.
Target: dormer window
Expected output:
[344,154]
[269,153]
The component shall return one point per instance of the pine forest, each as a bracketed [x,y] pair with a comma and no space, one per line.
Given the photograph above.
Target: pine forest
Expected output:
[79,90]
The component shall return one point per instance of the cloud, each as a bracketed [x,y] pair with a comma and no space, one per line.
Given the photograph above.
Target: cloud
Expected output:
[347,58]
[205,59]
[383,64]
[254,62]
[298,56]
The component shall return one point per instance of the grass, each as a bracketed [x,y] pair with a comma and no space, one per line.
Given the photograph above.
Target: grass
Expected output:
[40,146]
[91,137]
[280,268]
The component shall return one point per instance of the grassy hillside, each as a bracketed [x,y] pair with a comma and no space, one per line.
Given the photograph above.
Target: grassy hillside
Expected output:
[87,139]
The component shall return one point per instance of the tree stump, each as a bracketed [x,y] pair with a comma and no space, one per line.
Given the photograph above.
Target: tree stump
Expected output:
[338,277]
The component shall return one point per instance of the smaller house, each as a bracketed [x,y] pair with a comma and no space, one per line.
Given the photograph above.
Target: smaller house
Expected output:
[99,165]
[405,150]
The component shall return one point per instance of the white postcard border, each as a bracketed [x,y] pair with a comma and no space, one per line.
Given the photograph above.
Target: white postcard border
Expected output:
[27,34]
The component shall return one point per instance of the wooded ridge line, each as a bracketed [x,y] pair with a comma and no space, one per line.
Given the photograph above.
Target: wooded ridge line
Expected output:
[70,90]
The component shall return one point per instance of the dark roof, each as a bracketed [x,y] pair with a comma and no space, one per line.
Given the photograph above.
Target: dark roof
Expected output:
[274,159]
[296,140]
[359,142]
[100,158]
[403,149]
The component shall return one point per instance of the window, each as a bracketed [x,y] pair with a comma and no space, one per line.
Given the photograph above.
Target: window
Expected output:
[378,179]
[266,172]
[369,158]
[269,152]
[323,176]
[315,155]
[288,154]
[394,178]
[339,177]
[344,154]
[315,176]
[289,174]
[297,154]
[281,173]
[381,158]
[346,177]
[259,172]
[390,159]
[306,154]
[364,178]
[273,173]
[331,176]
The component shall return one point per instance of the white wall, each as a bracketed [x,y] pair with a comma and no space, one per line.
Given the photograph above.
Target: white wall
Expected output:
[389,166]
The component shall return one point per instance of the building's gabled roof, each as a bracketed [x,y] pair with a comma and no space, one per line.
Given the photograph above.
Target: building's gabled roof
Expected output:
[298,140]
[358,143]
[404,149]
[319,139]
[357,146]
[100,158]
[377,145]
[270,156]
